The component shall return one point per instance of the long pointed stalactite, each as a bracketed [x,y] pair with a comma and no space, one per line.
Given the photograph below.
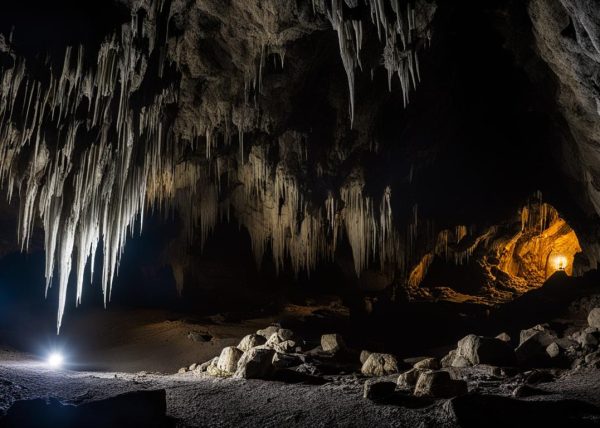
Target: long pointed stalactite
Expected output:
[88,157]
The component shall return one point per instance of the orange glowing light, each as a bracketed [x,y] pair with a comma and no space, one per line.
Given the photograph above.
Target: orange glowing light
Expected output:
[560,262]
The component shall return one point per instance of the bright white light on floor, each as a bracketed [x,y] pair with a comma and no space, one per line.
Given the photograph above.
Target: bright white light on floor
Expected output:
[55,360]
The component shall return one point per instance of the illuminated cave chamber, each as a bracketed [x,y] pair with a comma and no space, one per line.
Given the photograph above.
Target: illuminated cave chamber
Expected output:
[503,261]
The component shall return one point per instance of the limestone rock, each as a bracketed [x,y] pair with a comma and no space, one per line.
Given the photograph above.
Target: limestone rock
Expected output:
[594,318]
[409,378]
[285,361]
[484,350]
[378,390]
[553,350]
[268,332]
[448,359]
[285,346]
[192,367]
[204,366]
[428,363]
[286,334]
[251,341]
[228,360]
[542,331]
[182,370]
[380,365]
[532,350]
[332,343]
[364,355]
[439,384]
[256,363]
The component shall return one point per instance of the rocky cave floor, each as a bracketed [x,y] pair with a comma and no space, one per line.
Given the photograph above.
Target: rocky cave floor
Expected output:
[544,375]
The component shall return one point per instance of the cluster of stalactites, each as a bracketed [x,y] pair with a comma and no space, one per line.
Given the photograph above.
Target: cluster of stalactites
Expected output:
[87,182]
[398,32]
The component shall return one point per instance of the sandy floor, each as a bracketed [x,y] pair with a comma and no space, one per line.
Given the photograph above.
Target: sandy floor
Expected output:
[203,401]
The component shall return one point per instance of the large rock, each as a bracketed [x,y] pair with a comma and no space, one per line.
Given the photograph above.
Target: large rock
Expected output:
[428,363]
[484,350]
[256,363]
[228,360]
[542,331]
[364,355]
[594,318]
[251,341]
[409,378]
[439,384]
[532,350]
[332,343]
[268,332]
[380,365]
[204,366]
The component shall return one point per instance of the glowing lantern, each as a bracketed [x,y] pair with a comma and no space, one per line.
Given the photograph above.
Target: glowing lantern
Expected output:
[560,262]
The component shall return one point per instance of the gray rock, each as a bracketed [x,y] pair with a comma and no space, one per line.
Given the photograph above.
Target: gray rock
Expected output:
[588,339]
[285,346]
[503,337]
[192,367]
[484,350]
[268,332]
[273,340]
[409,379]
[532,350]
[380,365]
[364,355]
[204,366]
[553,350]
[542,331]
[594,318]
[182,370]
[332,343]
[228,360]
[439,384]
[251,341]
[428,363]
[378,390]
[256,363]
[448,359]
[286,334]
[285,361]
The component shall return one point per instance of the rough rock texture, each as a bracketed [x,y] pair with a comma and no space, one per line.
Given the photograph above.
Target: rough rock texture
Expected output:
[593,318]
[256,363]
[379,365]
[251,341]
[228,360]
[485,350]
[439,384]
[332,343]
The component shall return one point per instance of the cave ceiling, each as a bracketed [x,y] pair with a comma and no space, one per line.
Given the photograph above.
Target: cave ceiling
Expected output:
[389,127]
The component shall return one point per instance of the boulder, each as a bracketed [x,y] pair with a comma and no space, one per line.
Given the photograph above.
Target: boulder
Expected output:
[251,341]
[286,334]
[268,332]
[484,350]
[273,340]
[542,331]
[378,390]
[285,361]
[228,360]
[364,355]
[448,359]
[192,367]
[409,379]
[182,370]
[428,363]
[332,343]
[204,366]
[532,350]
[588,340]
[553,350]
[285,346]
[594,318]
[256,363]
[439,384]
[380,365]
